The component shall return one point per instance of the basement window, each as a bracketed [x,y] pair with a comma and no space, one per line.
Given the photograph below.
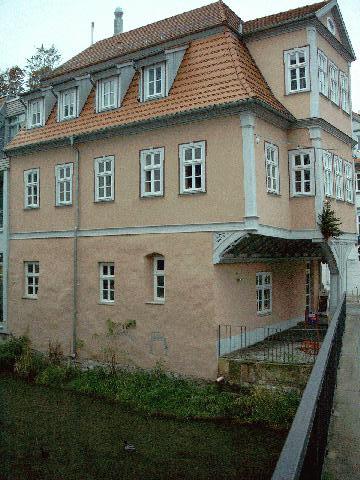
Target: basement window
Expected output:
[32,270]
[263,292]
[107,283]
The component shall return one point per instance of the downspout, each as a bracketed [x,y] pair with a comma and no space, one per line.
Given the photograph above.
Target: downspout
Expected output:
[75,249]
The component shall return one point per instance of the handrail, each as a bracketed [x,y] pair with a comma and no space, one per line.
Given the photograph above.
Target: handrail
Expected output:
[292,456]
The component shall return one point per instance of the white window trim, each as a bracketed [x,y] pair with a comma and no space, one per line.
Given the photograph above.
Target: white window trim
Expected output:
[339,177]
[324,71]
[328,173]
[152,168]
[334,94]
[26,184]
[58,181]
[348,181]
[70,91]
[287,55]
[100,93]
[344,77]
[184,162]
[293,168]
[33,275]
[263,287]
[29,113]
[158,273]
[97,174]
[357,182]
[107,277]
[146,69]
[275,164]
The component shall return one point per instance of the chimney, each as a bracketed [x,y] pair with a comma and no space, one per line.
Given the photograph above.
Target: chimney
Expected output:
[118,20]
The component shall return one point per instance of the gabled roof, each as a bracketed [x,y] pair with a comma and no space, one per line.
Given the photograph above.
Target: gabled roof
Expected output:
[283,17]
[197,20]
[215,70]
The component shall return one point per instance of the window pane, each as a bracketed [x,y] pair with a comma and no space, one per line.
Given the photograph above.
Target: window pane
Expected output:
[160,264]
[188,154]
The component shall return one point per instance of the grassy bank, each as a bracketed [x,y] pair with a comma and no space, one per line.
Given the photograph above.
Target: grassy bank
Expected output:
[153,393]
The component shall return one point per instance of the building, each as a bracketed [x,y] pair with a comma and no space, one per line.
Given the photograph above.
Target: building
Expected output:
[12,117]
[169,180]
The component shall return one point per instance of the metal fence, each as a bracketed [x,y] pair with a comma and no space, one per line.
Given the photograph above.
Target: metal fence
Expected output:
[299,344]
[303,453]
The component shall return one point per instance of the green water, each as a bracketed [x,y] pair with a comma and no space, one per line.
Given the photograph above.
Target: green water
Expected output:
[51,434]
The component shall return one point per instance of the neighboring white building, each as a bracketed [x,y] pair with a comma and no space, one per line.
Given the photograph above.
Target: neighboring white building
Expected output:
[353,264]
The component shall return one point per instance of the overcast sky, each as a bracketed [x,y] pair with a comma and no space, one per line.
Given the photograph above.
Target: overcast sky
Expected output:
[26,24]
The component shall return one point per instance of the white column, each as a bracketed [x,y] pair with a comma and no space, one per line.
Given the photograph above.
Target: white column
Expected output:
[315,137]
[314,82]
[334,292]
[247,121]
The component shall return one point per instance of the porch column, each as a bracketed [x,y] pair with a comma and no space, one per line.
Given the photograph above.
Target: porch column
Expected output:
[247,121]
[334,292]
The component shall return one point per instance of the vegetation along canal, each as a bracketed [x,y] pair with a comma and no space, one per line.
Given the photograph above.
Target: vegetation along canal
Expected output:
[54,434]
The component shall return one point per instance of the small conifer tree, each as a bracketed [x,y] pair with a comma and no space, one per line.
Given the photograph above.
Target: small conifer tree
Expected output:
[329,224]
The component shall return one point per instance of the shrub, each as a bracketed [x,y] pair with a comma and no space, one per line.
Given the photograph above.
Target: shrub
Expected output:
[271,407]
[56,375]
[10,350]
[29,363]
[55,353]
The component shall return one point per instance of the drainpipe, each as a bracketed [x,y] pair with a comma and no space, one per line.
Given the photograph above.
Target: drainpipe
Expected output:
[75,256]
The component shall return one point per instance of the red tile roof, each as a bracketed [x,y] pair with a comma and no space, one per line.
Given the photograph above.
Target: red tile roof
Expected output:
[283,17]
[215,70]
[156,33]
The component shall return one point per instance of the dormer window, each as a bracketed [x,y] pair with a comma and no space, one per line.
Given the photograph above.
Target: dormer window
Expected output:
[68,104]
[36,113]
[154,81]
[108,93]
[297,70]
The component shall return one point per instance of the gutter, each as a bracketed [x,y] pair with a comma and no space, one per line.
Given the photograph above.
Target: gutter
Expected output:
[75,250]
[230,108]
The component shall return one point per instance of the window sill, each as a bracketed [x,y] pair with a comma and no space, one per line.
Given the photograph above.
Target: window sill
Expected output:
[298,91]
[61,205]
[274,194]
[24,297]
[35,126]
[154,97]
[106,303]
[192,192]
[152,195]
[104,200]
[302,195]
[68,118]
[263,314]
[107,109]
[30,208]
[157,302]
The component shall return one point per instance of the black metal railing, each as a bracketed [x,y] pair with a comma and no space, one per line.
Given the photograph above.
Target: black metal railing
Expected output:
[297,345]
[303,454]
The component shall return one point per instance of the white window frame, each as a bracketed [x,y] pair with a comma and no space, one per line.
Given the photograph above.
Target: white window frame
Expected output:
[192,163]
[38,112]
[272,168]
[68,100]
[323,73]
[151,169]
[14,125]
[107,282]
[358,182]
[146,75]
[297,66]
[34,276]
[104,174]
[101,93]
[339,177]
[328,173]
[157,274]
[263,283]
[349,181]
[34,188]
[344,92]
[66,180]
[333,83]
[302,168]
[331,25]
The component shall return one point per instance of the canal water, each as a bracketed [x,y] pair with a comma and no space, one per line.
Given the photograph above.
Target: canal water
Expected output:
[57,435]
